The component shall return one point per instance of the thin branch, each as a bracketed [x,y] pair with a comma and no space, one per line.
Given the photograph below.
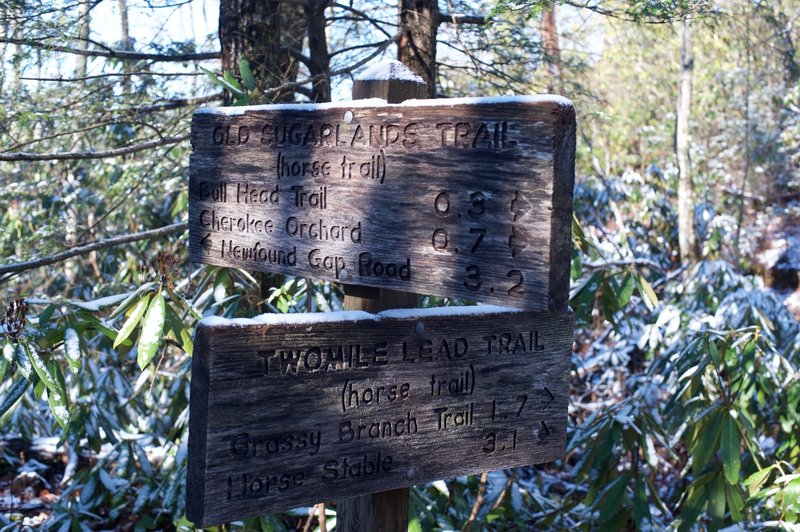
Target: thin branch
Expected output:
[76,131]
[114,75]
[81,155]
[94,246]
[375,22]
[477,20]
[361,46]
[115,54]
[473,516]
[169,104]
[636,261]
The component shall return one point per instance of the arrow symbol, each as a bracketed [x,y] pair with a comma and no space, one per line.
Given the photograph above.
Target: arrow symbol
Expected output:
[517,241]
[206,242]
[548,398]
[543,433]
[520,205]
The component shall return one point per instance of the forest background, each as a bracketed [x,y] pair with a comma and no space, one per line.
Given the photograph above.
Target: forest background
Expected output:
[685,406]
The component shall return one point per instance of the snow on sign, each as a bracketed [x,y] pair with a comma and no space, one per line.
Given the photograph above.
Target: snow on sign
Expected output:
[289,410]
[468,198]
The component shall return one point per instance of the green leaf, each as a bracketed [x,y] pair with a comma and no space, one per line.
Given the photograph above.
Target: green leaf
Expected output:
[72,346]
[608,299]
[90,322]
[716,502]
[57,399]
[23,362]
[187,342]
[8,352]
[611,501]
[731,449]
[133,297]
[152,329]
[578,236]
[626,290]
[10,401]
[758,478]
[707,440]
[711,345]
[583,300]
[791,498]
[735,502]
[42,370]
[45,315]
[695,503]
[641,506]
[576,266]
[236,87]
[648,294]
[3,367]
[225,82]
[247,74]
[177,298]
[133,319]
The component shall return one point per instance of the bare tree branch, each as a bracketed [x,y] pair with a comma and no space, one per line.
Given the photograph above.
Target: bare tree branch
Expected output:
[169,104]
[111,53]
[94,246]
[114,75]
[76,155]
[478,20]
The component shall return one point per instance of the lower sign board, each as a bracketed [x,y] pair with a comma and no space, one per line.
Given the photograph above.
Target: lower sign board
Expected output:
[290,410]
[468,198]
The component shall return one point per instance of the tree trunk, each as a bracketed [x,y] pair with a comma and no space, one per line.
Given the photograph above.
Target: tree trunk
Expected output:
[84,7]
[6,29]
[686,236]
[319,64]
[419,23]
[250,29]
[551,48]
[293,24]
[125,40]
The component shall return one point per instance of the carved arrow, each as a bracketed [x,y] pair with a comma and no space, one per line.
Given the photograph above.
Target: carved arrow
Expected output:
[543,433]
[520,205]
[547,398]
[206,242]
[517,241]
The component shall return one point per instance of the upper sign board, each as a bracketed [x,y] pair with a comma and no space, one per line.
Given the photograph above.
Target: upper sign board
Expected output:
[297,409]
[468,198]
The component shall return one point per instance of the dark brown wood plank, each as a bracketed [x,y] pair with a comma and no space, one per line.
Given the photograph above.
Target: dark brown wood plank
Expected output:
[413,398]
[464,198]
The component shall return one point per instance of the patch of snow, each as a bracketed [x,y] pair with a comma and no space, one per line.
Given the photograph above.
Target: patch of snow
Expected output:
[235,111]
[97,304]
[378,102]
[407,313]
[313,318]
[37,301]
[61,412]
[390,69]
[72,344]
[289,319]
[489,100]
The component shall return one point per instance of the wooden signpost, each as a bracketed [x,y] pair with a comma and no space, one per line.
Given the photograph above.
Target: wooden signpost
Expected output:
[304,408]
[467,198]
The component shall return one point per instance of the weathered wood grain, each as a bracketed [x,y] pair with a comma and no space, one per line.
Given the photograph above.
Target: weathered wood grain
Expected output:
[422,398]
[469,200]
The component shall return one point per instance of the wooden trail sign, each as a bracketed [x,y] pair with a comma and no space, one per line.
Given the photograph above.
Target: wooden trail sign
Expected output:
[295,409]
[469,198]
